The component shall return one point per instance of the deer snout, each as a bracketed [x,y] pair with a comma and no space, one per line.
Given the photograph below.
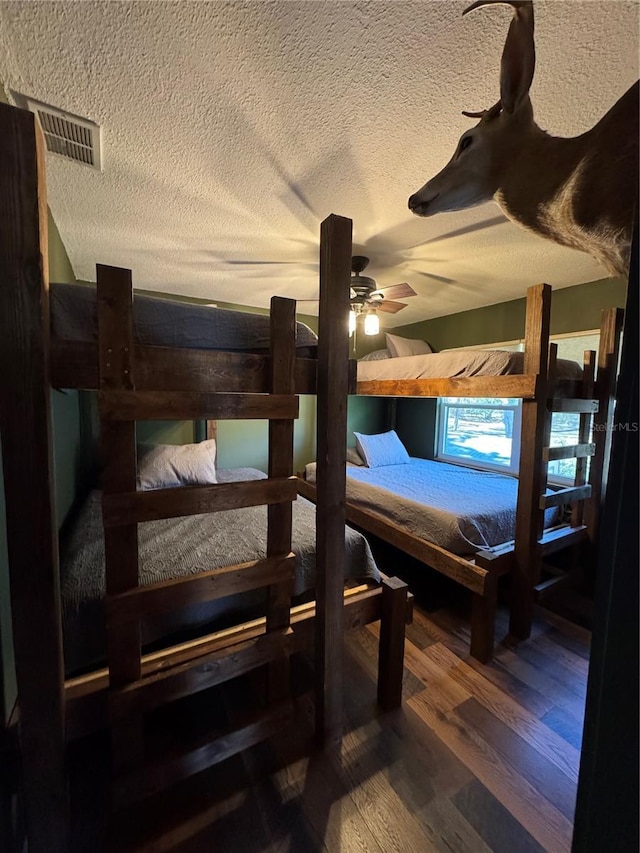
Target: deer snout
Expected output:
[419,205]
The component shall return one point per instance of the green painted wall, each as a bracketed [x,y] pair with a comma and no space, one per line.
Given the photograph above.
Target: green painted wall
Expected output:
[573,309]
[67,460]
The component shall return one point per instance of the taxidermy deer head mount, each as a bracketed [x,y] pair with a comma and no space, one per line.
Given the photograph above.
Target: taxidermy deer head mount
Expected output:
[580,192]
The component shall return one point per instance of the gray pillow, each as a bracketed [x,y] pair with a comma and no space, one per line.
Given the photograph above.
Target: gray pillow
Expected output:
[354,457]
[164,466]
[385,448]
[376,355]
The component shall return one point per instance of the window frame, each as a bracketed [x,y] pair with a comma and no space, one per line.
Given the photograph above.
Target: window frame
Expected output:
[443,406]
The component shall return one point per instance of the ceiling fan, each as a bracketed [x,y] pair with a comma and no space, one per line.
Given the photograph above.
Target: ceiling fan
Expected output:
[366,294]
[368,298]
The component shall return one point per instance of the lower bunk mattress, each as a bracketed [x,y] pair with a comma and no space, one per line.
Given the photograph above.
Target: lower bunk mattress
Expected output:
[460,509]
[179,547]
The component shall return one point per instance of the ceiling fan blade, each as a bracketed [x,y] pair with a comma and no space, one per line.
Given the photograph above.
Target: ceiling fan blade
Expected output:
[397,291]
[390,307]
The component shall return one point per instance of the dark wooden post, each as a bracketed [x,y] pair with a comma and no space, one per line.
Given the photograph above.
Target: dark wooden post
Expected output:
[605,388]
[333,388]
[25,421]
[118,445]
[533,470]
[391,650]
[283,359]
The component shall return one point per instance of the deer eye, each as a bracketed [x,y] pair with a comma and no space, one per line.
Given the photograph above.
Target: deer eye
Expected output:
[465,143]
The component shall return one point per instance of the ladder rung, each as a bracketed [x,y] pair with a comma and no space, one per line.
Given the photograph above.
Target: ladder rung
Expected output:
[137,507]
[572,451]
[198,674]
[559,538]
[564,404]
[558,580]
[565,496]
[159,774]
[120,405]
[165,596]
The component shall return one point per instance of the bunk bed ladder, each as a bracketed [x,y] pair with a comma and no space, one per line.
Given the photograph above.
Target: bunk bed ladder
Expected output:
[593,402]
[134,688]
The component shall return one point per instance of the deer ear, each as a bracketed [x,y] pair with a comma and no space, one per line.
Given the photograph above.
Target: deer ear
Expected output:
[518,59]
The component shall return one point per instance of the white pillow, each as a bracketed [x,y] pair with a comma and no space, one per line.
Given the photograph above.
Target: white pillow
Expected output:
[385,448]
[354,457]
[376,355]
[399,347]
[164,466]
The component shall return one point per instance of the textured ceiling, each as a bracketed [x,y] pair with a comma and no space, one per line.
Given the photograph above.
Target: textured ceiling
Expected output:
[232,129]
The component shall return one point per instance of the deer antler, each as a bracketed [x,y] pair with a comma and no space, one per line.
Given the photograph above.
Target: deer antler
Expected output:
[517,4]
[519,56]
[492,112]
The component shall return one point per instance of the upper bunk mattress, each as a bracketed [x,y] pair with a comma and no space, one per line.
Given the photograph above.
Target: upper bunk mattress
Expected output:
[461,509]
[180,547]
[168,323]
[458,363]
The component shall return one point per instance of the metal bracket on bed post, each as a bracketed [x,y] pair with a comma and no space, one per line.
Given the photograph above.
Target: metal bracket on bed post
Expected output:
[29,478]
[333,387]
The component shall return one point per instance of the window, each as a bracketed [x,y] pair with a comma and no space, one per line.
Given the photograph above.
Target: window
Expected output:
[485,433]
[480,432]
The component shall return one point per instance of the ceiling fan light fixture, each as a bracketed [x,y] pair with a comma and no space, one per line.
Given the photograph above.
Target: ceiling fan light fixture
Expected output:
[353,317]
[371,323]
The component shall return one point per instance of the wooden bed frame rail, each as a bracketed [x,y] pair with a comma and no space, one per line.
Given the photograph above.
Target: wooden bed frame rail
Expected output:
[156,382]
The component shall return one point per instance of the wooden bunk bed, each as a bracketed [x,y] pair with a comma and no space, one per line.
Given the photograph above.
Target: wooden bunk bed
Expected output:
[542,394]
[137,382]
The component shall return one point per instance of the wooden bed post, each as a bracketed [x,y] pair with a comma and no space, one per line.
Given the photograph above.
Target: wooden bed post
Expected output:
[32,535]
[118,447]
[605,388]
[533,467]
[391,648]
[283,361]
[333,388]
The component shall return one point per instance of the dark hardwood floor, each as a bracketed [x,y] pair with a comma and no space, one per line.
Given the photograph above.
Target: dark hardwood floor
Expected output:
[478,758]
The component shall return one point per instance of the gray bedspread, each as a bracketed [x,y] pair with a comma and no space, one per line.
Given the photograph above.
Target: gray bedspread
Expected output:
[457,363]
[167,322]
[179,547]
[460,509]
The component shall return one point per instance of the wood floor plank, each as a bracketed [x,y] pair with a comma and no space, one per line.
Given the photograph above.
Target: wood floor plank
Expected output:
[576,663]
[555,691]
[528,727]
[525,759]
[565,726]
[505,682]
[499,830]
[554,668]
[577,646]
[349,813]
[449,830]
[533,811]
[431,675]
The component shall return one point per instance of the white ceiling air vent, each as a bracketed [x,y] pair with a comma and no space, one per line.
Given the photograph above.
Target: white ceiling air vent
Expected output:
[75,138]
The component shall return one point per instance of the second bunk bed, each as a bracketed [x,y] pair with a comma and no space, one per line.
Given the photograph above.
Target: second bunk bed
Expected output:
[138,380]
[544,385]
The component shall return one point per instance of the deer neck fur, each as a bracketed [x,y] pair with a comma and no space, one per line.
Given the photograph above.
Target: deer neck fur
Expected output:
[562,188]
